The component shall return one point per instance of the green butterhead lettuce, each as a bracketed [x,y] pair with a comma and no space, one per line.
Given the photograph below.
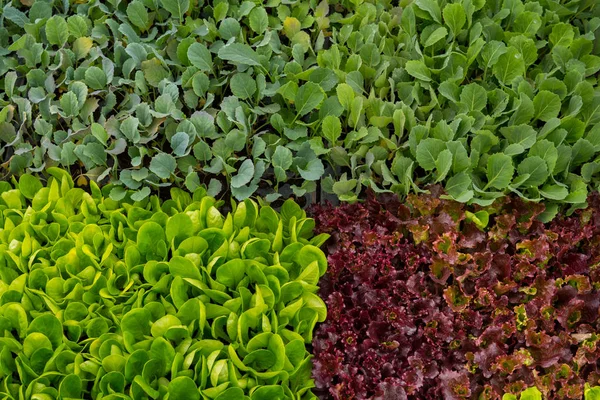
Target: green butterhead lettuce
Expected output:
[146,299]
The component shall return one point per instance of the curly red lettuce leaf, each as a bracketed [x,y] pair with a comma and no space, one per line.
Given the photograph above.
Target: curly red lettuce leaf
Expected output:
[426,301]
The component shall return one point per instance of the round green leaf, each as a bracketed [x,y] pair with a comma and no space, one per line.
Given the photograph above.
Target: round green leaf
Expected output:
[309,96]
[546,105]
[95,78]
[244,175]
[138,15]
[310,253]
[183,388]
[259,20]
[48,325]
[179,143]
[57,30]
[231,273]
[200,57]
[163,165]
[29,185]
[500,171]
[137,323]
[243,85]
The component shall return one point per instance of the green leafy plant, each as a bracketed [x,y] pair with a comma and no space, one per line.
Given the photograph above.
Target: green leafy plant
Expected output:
[147,299]
[503,98]
[592,393]
[533,393]
[485,97]
[146,94]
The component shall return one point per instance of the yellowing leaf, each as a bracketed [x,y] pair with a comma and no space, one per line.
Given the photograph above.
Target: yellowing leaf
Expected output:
[82,47]
[291,26]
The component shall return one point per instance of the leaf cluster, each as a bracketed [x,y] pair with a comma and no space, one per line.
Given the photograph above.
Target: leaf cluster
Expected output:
[433,299]
[499,97]
[149,94]
[146,299]
[484,97]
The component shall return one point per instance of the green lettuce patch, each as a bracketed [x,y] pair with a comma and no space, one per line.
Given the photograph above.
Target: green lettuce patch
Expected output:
[486,97]
[153,300]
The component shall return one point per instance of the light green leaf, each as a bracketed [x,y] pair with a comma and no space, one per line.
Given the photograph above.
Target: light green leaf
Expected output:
[313,171]
[154,72]
[458,186]
[332,129]
[229,28]
[432,8]
[214,187]
[491,53]
[455,17]
[129,128]
[259,20]
[141,194]
[582,152]
[137,323]
[232,393]
[546,150]
[344,187]
[546,105]
[309,96]
[523,135]
[428,151]
[200,84]
[57,30]
[537,170]
[19,18]
[78,26]
[562,34]
[450,90]
[524,112]
[531,393]
[528,23]
[554,192]
[510,65]
[345,95]
[82,47]
[99,133]
[474,97]
[500,171]
[282,157]
[443,163]
[592,393]
[69,104]
[49,326]
[29,185]
[437,35]
[231,273]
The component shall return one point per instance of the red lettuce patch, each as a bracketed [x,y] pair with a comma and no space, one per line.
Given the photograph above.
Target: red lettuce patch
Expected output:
[424,303]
